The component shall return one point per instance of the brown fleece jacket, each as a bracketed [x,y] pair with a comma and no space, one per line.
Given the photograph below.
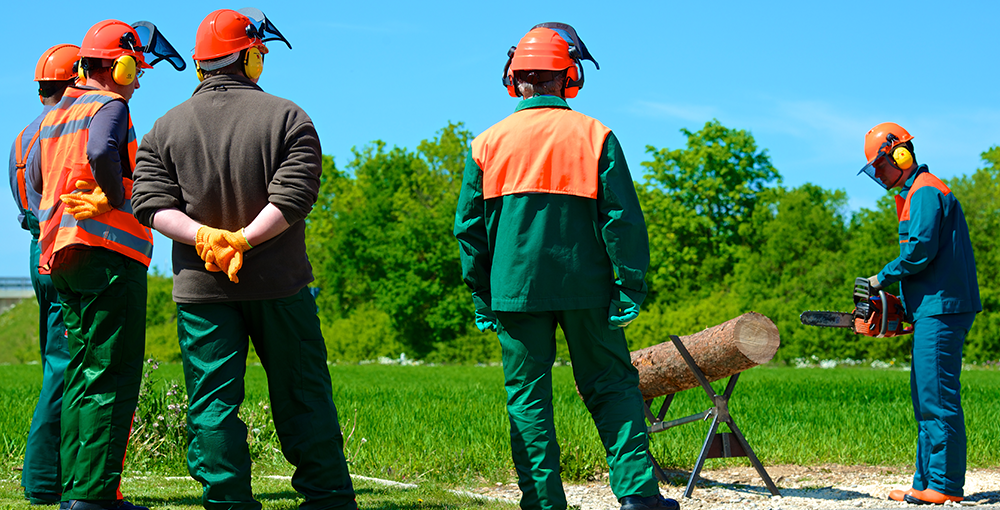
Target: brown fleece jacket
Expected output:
[220,157]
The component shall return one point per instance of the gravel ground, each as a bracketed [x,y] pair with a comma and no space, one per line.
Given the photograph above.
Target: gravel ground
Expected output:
[814,487]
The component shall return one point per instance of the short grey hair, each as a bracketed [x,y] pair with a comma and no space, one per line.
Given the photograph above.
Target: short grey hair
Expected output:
[540,83]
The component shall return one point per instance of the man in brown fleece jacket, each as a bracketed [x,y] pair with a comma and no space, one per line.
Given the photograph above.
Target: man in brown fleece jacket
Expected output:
[229,175]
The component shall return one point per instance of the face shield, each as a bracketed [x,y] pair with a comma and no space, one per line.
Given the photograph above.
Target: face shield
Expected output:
[261,27]
[870,170]
[577,50]
[155,47]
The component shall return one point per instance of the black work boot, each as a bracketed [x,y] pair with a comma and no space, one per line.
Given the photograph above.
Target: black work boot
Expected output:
[79,504]
[648,503]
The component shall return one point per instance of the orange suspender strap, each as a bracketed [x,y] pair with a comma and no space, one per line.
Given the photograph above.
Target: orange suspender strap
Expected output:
[22,163]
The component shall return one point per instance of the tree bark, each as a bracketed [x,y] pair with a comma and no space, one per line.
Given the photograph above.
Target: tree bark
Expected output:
[719,351]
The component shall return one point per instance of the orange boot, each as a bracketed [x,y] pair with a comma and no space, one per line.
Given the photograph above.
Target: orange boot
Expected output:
[924,497]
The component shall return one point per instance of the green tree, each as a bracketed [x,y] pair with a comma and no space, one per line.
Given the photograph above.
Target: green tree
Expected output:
[979,195]
[380,239]
[697,203]
[798,265]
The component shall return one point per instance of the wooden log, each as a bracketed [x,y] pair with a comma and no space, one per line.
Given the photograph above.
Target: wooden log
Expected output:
[719,351]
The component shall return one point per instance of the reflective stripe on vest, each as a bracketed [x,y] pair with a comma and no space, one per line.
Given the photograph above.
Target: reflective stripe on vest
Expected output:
[903,205]
[541,150]
[64,134]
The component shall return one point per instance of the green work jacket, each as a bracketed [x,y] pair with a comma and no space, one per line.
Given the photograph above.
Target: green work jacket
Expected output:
[538,251]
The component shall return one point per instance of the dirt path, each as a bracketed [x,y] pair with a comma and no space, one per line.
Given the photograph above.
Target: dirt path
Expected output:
[813,487]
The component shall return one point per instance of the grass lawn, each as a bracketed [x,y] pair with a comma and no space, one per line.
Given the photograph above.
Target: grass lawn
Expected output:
[173,493]
[443,427]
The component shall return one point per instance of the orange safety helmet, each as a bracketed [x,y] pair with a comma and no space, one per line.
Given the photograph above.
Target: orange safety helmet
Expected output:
[58,63]
[548,47]
[887,140]
[111,39]
[883,138]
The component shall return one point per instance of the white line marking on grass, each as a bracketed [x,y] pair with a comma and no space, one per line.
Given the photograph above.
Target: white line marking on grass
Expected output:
[379,481]
[403,485]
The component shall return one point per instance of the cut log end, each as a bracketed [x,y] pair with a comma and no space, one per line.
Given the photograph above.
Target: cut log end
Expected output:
[756,337]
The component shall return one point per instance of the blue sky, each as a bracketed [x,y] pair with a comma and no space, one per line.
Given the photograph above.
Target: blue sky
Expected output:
[808,79]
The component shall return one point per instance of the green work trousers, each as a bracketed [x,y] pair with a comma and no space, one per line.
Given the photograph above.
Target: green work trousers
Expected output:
[286,336]
[103,297]
[605,378]
[40,476]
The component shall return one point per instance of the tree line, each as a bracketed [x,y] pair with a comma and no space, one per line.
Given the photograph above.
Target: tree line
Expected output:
[725,238]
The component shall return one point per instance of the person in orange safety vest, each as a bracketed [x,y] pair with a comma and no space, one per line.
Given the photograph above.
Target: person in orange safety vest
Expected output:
[98,254]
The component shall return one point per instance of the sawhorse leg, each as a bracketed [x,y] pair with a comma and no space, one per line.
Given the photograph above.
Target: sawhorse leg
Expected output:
[717,445]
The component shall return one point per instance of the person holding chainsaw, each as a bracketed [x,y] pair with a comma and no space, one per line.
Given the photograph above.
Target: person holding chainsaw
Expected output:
[936,271]
[230,175]
[551,233]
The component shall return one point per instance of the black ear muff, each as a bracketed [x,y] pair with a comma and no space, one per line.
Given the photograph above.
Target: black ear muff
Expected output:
[253,63]
[508,76]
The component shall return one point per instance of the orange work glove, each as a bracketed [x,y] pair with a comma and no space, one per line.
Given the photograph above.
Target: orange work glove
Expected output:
[221,250]
[88,201]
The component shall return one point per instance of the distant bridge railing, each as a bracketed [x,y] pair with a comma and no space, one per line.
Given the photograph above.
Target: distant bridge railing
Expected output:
[14,289]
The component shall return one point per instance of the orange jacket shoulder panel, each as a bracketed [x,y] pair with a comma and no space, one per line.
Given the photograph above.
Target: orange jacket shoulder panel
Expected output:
[923,180]
[541,150]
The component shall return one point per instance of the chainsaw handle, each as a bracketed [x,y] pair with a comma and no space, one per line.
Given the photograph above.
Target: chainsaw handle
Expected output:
[885,314]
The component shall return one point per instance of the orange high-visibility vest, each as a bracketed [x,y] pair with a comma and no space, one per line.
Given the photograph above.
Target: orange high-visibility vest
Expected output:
[922,180]
[64,134]
[541,150]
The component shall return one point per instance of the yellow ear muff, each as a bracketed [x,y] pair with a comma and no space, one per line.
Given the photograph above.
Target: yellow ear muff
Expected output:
[123,70]
[81,74]
[197,70]
[253,63]
[902,157]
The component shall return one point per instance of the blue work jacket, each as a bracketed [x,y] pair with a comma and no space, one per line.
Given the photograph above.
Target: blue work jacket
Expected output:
[936,267]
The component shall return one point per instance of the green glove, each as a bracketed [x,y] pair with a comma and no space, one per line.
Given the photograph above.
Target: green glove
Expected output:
[486,319]
[623,310]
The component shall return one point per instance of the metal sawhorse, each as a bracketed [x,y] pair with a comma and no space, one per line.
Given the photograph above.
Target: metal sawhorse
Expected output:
[717,444]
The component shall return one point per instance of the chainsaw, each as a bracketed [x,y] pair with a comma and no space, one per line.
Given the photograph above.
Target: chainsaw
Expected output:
[878,316]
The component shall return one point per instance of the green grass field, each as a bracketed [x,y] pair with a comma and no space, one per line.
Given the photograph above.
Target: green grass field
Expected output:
[447,426]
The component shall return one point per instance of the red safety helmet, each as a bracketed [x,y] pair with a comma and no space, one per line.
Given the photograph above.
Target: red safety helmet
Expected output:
[58,63]
[226,31]
[549,47]
[111,39]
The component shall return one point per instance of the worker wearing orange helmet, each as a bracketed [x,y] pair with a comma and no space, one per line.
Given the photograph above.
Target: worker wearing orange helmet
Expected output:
[56,70]
[230,175]
[98,254]
[551,233]
[936,271]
